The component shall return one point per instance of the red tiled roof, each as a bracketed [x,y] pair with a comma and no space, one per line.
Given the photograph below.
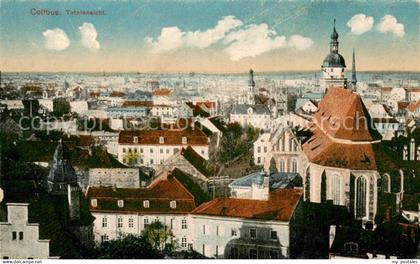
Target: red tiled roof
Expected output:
[402,105]
[162,92]
[171,137]
[413,106]
[337,133]
[321,150]
[159,194]
[137,104]
[279,207]
[342,115]
[206,104]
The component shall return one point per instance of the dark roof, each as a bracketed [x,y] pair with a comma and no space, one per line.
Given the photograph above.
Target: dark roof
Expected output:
[279,207]
[334,60]
[159,194]
[200,196]
[195,160]
[51,213]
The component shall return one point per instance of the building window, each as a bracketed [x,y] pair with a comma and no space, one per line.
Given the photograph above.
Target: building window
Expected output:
[234,253]
[351,248]
[94,203]
[184,140]
[258,149]
[336,189]
[14,235]
[253,253]
[204,250]
[104,238]
[20,235]
[184,224]
[172,204]
[161,151]
[253,233]
[123,150]
[104,222]
[135,140]
[265,149]
[151,161]
[120,222]
[121,203]
[294,165]
[151,150]
[184,242]
[361,201]
[204,229]
[234,232]
[130,222]
[146,222]
[282,167]
[273,235]
[258,160]
[141,150]
[167,151]
[146,204]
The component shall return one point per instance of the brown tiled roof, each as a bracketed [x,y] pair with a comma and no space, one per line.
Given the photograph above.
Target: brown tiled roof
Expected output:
[206,104]
[343,115]
[321,150]
[279,207]
[162,92]
[159,194]
[116,94]
[137,104]
[336,140]
[402,105]
[171,137]
[413,106]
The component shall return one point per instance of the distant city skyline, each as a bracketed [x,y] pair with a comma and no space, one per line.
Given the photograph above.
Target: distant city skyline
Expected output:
[204,36]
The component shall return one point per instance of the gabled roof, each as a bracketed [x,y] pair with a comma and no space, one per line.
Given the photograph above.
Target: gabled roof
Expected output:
[159,194]
[196,160]
[279,207]
[343,115]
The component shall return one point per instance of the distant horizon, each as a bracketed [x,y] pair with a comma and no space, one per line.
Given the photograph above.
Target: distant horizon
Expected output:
[256,72]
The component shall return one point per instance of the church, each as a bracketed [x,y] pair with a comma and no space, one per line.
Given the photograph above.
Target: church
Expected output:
[346,162]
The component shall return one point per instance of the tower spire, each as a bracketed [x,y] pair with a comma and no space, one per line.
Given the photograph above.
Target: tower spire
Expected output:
[334,40]
[353,72]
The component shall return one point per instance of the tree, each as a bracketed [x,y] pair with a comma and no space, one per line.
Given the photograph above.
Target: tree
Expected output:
[160,237]
[132,158]
[129,247]
[60,107]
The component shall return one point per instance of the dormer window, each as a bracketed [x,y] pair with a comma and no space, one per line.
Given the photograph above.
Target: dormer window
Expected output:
[146,204]
[161,140]
[94,202]
[120,203]
[135,140]
[172,204]
[250,110]
[184,140]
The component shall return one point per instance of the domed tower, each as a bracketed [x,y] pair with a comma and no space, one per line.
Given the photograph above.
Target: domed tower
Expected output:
[334,65]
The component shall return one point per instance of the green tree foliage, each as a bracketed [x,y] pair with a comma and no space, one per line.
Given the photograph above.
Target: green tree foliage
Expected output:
[160,237]
[61,107]
[129,247]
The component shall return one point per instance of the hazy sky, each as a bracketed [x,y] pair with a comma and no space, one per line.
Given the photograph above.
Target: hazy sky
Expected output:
[206,36]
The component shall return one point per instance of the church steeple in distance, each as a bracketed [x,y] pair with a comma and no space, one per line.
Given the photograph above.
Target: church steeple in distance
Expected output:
[251,82]
[353,72]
